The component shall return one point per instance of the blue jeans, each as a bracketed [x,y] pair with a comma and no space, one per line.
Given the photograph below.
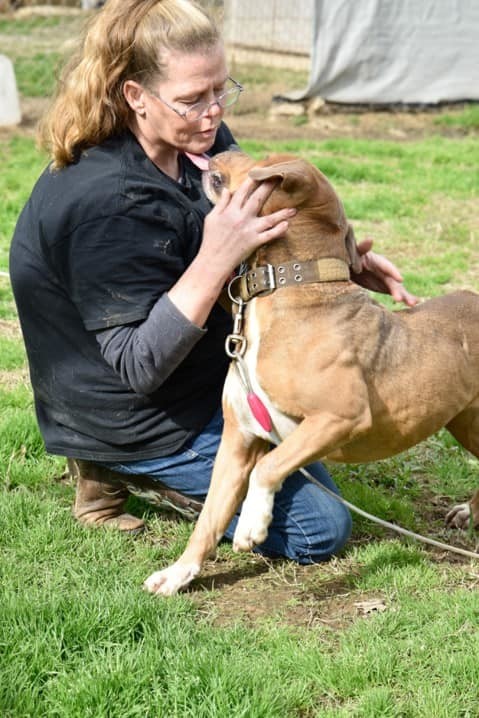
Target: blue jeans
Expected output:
[308,526]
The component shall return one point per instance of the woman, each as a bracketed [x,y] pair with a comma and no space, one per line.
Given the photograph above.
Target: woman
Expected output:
[117,265]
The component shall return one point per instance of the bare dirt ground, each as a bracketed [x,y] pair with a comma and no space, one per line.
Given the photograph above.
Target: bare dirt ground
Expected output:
[251,589]
[265,122]
[259,120]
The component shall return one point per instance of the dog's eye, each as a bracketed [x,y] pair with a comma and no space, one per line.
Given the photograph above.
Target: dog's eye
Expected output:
[217,180]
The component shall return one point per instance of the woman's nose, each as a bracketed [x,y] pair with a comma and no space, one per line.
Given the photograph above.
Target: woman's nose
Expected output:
[214,109]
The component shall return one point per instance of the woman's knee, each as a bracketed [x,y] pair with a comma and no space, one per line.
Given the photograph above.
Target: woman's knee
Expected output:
[326,538]
[309,524]
[328,541]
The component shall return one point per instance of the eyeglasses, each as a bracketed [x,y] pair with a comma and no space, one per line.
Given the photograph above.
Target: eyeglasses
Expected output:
[200,109]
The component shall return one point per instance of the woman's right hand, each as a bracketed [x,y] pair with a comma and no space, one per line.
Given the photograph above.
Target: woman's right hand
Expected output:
[233,229]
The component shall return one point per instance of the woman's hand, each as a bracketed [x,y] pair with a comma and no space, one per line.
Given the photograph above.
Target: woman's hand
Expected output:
[233,229]
[381,275]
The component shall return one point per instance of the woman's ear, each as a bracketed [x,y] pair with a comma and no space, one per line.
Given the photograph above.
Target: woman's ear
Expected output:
[135,96]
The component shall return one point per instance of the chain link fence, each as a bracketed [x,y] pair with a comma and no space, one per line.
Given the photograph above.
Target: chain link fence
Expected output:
[270,33]
[251,28]
[36,38]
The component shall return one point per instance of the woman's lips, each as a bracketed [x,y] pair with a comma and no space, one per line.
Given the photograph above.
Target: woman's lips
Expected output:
[209,132]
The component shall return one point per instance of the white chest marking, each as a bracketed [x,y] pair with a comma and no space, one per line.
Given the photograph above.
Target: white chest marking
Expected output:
[235,392]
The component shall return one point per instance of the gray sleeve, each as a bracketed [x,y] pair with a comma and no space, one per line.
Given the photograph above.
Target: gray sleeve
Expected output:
[145,355]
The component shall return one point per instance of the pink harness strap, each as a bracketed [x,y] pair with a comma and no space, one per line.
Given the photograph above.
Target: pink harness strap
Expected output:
[259,411]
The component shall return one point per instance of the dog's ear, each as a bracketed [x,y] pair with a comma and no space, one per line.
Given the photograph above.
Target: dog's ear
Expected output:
[352,250]
[291,175]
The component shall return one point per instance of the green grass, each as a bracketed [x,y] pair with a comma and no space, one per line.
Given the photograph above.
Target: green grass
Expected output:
[417,199]
[466,118]
[259,76]
[37,74]
[29,25]
[21,165]
[36,45]
[78,636]
[12,354]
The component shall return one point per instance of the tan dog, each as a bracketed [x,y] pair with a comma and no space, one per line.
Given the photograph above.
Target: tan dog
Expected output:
[344,379]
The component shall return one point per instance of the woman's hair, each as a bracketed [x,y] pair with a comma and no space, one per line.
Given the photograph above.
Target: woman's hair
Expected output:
[125,40]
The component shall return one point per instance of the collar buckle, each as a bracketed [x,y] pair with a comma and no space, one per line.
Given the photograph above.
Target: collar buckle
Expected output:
[258,281]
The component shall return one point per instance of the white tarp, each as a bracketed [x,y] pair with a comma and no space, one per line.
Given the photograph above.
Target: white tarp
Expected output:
[394,51]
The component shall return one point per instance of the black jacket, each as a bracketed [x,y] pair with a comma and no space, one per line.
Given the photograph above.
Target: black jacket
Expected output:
[96,247]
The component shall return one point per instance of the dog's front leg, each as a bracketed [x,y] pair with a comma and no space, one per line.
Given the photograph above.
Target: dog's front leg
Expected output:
[314,438]
[237,455]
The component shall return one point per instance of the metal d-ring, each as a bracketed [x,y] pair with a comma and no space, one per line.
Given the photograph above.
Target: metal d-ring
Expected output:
[235,345]
[237,299]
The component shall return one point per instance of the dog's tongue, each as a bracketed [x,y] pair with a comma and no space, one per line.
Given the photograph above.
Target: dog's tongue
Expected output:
[201,161]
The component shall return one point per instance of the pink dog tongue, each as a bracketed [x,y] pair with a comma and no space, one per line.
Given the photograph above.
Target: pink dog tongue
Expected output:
[201,161]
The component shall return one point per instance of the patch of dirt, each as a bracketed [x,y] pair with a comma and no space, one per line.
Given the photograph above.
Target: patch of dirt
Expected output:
[258,120]
[265,121]
[250,589]
[33,108]
[256,589]
[35,10]
[10,329]
[11,380]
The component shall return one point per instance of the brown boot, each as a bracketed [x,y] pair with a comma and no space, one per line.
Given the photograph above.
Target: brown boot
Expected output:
[100,497]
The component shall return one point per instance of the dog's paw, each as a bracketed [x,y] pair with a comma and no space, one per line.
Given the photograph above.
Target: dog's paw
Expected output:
[459,516]
[172,579]
[254,520]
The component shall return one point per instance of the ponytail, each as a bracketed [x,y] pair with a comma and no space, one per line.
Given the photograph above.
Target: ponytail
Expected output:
[125,40]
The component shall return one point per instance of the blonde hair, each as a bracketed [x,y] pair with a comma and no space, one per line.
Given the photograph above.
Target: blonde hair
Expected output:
[123,41]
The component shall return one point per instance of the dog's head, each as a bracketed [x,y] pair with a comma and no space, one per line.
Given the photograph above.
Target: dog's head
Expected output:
[299,184]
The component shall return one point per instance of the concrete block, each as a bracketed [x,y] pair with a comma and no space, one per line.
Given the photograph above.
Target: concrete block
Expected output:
[9,103]
[287,109]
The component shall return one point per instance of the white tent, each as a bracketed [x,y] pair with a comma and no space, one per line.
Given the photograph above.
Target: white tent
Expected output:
[394,51]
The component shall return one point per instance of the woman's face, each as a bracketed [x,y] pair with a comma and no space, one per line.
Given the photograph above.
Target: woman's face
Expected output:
[191,78]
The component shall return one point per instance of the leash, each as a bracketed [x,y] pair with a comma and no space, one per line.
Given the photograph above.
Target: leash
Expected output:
[235,348]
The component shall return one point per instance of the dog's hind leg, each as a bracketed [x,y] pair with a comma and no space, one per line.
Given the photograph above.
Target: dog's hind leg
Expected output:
[465,428]
[237,455]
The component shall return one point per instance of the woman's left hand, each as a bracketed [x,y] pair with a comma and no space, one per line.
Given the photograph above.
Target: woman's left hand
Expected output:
[381,275]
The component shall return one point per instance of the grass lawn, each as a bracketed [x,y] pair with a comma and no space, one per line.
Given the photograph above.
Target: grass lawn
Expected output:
[389,628]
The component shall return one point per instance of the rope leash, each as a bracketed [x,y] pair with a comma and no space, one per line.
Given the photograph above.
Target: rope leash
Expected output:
[388,524]
[235,348]
[276,439]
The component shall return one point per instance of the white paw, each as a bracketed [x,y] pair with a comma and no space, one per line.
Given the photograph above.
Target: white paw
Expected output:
[254,520]
[172,579]
[459,516]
